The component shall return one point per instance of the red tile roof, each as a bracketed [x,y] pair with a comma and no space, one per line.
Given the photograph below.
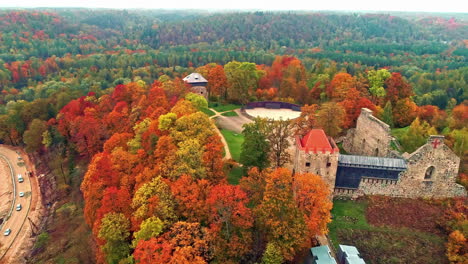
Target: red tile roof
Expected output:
[316,140]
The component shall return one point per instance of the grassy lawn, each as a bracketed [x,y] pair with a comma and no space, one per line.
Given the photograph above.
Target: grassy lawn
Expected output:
[399,132]
[234,142]
[383,243]
[207,111]
[223,107]
[230,113]
[347,215]
[235,175]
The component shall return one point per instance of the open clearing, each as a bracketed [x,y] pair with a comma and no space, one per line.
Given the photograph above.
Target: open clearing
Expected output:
[234,141]
[380,239]
[275,114]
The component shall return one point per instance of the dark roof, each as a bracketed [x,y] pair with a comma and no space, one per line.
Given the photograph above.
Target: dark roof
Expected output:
[195,78]
[371,162]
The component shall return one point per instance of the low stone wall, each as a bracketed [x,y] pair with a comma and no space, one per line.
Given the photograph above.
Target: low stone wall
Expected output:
[411,189]
[244,113]
[273,105]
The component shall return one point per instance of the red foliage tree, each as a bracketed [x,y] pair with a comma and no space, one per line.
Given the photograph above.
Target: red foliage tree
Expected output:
[352,105]
[230,220]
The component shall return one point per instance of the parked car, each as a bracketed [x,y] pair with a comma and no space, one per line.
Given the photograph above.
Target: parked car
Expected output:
[18,207]
[21,194]
[20,178]
[7,232]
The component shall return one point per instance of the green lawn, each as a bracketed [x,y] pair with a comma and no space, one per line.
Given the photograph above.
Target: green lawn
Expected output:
[207,111]
[347,215]
[399,132]
[223,107]
[235,175]
[230,113]
[234,142]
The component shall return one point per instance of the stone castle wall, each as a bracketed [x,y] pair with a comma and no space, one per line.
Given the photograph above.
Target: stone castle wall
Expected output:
[371,137]
[416,181]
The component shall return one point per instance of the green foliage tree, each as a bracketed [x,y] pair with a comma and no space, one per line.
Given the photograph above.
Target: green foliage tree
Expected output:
[272,255]
[242,78]
[376,82]
[167,121]
[189,160]
[140,128]
[387,115]
[154,199]
[254,149]
[115,231]
[149,228]
[417,135]
[460,145]
[33,136]
[198,101]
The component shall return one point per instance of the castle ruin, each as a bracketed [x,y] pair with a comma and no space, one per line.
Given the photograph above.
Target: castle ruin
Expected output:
[374,168]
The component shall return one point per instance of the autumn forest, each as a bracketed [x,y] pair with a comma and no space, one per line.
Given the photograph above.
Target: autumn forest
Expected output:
[135,169]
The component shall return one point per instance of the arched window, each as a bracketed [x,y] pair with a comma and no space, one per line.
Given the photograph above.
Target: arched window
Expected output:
[376,152]
[429,173]
[363,142]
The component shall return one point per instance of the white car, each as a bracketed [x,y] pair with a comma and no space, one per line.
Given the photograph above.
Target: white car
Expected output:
[21,194]
[18,207]
[7,232]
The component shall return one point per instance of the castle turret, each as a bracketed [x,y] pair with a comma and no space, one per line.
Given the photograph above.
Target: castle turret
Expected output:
[318,154]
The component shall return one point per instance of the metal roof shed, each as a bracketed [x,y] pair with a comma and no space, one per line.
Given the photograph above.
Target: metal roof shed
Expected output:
[322,255]
[349,255]
[354,260]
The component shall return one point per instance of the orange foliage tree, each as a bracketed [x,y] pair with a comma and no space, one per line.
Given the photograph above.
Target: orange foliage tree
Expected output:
[230,221]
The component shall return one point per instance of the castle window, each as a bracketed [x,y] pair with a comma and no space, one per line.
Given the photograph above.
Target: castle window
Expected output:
[376,152]
[307,164]
[328,162]
[364,142]
[429,173]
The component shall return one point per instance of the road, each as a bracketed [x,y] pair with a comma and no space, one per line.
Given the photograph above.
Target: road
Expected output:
[18,219]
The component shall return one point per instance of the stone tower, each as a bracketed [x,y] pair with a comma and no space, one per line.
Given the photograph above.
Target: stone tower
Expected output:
[318,154]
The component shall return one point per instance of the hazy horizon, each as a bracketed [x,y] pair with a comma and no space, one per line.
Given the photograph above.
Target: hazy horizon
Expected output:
[449,6]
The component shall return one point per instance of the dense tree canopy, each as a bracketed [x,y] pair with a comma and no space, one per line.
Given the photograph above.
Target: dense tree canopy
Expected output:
[98,98]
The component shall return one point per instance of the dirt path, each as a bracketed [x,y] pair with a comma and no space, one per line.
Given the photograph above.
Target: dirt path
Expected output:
[18,243]
[227,152]
[233,123]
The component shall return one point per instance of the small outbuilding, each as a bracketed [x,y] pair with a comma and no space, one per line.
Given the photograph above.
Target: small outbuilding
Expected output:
[349,255]
[198,84]
[195,79]
[322,255]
